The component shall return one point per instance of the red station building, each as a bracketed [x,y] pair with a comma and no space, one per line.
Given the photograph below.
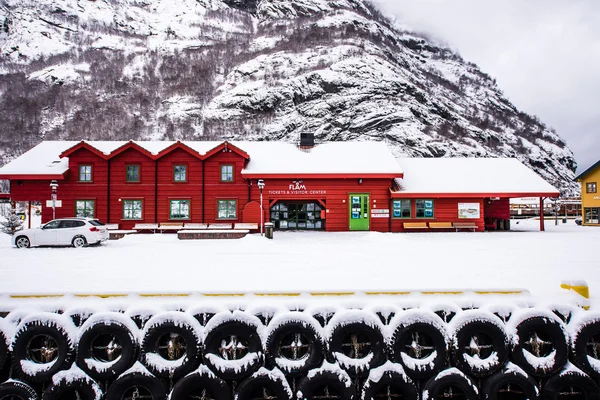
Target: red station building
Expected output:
[335,186]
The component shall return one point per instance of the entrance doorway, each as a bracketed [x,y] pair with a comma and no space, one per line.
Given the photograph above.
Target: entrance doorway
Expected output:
[359,212]
[304,215]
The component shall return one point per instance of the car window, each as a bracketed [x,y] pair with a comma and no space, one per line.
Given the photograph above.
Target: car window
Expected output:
[52,225]
[77,224]
[95,222]
[66,224]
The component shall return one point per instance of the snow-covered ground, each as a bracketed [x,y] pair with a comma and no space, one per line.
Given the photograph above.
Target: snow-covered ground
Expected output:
[523,258]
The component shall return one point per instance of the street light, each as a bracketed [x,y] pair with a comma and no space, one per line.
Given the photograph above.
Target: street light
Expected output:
[54,187]
[261,186]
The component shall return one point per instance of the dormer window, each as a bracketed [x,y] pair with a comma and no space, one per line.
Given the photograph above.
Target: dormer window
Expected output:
[85,173]
[226,173]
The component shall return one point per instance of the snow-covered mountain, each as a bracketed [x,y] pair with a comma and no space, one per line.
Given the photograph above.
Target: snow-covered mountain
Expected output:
[252,70]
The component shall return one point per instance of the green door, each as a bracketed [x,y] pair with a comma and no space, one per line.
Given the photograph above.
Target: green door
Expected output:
[359,212]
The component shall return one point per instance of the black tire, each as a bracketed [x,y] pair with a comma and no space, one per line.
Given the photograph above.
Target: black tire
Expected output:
[3,348]
[450,383]
[392,383]
[336,385]
[585,346]
[356,342]
[79,388]
[479,343]
[22,242]
[147,388]
[294,344]
[40,340]
[79,241]
[15,390]
[264,385]
[540,336]
[171,345]
[107,346]
[512,380]
[242,341]
[419,343]
[201,384]
[571,384]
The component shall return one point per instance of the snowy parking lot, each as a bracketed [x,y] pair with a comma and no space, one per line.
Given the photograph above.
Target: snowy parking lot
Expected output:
[523,258]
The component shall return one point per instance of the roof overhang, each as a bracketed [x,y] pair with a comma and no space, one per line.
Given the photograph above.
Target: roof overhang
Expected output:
[131,145]
[83,145]
[301,175]
[32,177]
[179,145]
[412,195]
[227,146]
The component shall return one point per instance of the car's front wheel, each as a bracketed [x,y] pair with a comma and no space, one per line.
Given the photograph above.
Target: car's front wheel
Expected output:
[79,241]
[23,242]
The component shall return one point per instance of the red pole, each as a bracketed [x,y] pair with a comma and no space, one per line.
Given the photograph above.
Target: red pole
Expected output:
[29,214]
[542,214]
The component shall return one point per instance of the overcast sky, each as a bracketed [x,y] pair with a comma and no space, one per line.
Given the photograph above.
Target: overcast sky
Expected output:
[544,54]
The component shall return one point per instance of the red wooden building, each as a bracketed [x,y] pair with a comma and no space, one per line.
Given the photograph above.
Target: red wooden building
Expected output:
[336,186]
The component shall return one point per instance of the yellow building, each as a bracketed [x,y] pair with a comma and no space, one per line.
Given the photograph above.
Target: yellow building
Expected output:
[590,197]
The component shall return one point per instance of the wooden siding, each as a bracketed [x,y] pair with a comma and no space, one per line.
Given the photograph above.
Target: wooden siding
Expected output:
[498,209]
[169,190]
[334,193]
[216,190]
[444,210]
[590,200]
[121,190]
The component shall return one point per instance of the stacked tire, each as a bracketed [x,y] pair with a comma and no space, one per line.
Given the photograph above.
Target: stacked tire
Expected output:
[350,354]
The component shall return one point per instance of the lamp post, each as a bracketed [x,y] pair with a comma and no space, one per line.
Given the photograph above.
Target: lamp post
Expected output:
[54,187]
[261,186]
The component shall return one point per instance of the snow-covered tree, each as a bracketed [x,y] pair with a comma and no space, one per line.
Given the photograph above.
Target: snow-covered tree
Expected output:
[11,223]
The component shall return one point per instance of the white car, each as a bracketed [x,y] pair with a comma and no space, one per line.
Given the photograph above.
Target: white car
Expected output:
[77,232]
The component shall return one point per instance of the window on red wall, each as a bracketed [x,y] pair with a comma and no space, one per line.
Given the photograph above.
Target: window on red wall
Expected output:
[424,208]
[132,209]
[85,208]
[226,173]
[85,173]
[132,173]
[180,173]
[226,209]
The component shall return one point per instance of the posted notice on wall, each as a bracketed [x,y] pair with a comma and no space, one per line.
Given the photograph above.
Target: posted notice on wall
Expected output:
[469,210]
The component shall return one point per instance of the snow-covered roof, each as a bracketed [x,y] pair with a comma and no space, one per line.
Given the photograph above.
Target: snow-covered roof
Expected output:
[267,158]
[471,176]
[327,158]
[43,159]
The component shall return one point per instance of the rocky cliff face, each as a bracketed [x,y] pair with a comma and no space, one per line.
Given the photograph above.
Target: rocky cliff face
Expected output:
[252,70]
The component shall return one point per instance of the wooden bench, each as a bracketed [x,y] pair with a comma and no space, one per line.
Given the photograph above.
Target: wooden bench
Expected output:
[195,226]
[251,226]
[211,234]
[465,225]
[170,226]
[145,227]
[115,234]
[441,225]
[415,225]
[219,226]
[111,227]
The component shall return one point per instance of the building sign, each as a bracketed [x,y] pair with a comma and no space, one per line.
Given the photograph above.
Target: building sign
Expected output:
[380,213]
[297,188]
[596,197]
[469,210]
